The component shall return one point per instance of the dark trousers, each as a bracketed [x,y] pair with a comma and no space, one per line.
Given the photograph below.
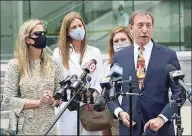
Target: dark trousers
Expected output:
[142,128]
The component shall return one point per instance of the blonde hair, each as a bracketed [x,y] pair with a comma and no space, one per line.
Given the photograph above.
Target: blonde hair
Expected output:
[64,39]
[21,51]
[121,29]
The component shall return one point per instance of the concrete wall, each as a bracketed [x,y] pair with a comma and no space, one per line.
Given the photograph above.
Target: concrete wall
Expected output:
[185,62]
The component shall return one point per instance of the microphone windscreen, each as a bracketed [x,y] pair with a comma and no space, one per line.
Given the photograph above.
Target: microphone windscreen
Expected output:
[116,70]
[94,61]
[88,78]
[90,66]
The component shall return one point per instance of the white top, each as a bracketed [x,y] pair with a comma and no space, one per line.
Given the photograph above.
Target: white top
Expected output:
[106,68]
[67,124]
[76,68]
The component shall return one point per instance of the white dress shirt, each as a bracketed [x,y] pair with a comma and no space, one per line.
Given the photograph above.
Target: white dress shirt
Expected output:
[147,54]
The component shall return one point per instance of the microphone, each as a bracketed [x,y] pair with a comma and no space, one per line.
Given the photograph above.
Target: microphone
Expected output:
[78,83]
[116,74]
[64,86]
[177,77]
[112,92]
[90,91]
[108,92]
[116,70]
[88,67]
[101,100]
[87,95]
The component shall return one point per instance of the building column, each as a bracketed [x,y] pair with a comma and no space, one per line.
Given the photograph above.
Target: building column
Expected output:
[17,18]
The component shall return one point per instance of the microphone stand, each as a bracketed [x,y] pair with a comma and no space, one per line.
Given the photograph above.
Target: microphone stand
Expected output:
[78,121]
[177,116]
[130,107]
[130,94]
[63,110]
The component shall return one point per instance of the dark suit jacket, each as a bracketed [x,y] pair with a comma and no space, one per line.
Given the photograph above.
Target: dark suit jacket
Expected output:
[155,100]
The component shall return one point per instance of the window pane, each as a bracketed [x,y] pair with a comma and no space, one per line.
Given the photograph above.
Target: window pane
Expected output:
[105,16]
[166,18]
[185,15]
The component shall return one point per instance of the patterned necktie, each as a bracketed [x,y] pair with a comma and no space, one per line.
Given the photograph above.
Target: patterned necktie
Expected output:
[141,70]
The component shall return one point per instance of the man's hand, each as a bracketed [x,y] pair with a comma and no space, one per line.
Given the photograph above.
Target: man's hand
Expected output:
[126,119]
[154,124]
[47,97]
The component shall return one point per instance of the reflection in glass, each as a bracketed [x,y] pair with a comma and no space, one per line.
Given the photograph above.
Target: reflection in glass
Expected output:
[172,20]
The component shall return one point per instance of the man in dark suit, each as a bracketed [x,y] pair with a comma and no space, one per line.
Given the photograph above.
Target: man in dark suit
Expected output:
[145,61]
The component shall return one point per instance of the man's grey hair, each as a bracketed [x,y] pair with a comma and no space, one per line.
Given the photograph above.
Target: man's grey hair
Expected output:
[139,12]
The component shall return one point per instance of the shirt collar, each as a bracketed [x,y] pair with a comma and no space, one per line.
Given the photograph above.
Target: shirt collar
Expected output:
[148,46]
[72,48]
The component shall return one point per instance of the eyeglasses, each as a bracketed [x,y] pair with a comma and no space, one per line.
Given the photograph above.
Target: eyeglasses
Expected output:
[39,33]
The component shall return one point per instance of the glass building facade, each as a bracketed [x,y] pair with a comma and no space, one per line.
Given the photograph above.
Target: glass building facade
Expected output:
[172,20]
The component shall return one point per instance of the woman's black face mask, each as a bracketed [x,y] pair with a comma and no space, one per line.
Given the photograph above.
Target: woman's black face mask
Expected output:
[40,41]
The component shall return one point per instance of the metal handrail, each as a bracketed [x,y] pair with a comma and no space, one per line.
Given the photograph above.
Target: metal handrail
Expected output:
[62,7]
[49,50]
[66,12]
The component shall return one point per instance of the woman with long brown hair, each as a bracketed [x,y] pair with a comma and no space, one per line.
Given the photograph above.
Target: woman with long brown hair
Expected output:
[73,53]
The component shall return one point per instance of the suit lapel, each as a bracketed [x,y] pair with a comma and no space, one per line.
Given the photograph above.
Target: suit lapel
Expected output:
[131,63]
[153,61]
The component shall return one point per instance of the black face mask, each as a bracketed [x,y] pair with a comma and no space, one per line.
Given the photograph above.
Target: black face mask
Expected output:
[40,42]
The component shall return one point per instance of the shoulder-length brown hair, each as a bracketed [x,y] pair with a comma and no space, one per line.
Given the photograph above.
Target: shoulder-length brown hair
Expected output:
[64,39]
[121,29]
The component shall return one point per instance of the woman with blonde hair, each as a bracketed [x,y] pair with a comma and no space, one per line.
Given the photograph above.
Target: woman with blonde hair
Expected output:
[73,53]
[31,79]
[120,38]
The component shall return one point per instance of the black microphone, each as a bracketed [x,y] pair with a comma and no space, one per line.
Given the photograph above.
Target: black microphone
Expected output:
[89,67]
[78,83]
[101,100]
[116,74]
[108,92]
[87,96]
[64,86]
[112,92]
[177,77]
[116,71]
